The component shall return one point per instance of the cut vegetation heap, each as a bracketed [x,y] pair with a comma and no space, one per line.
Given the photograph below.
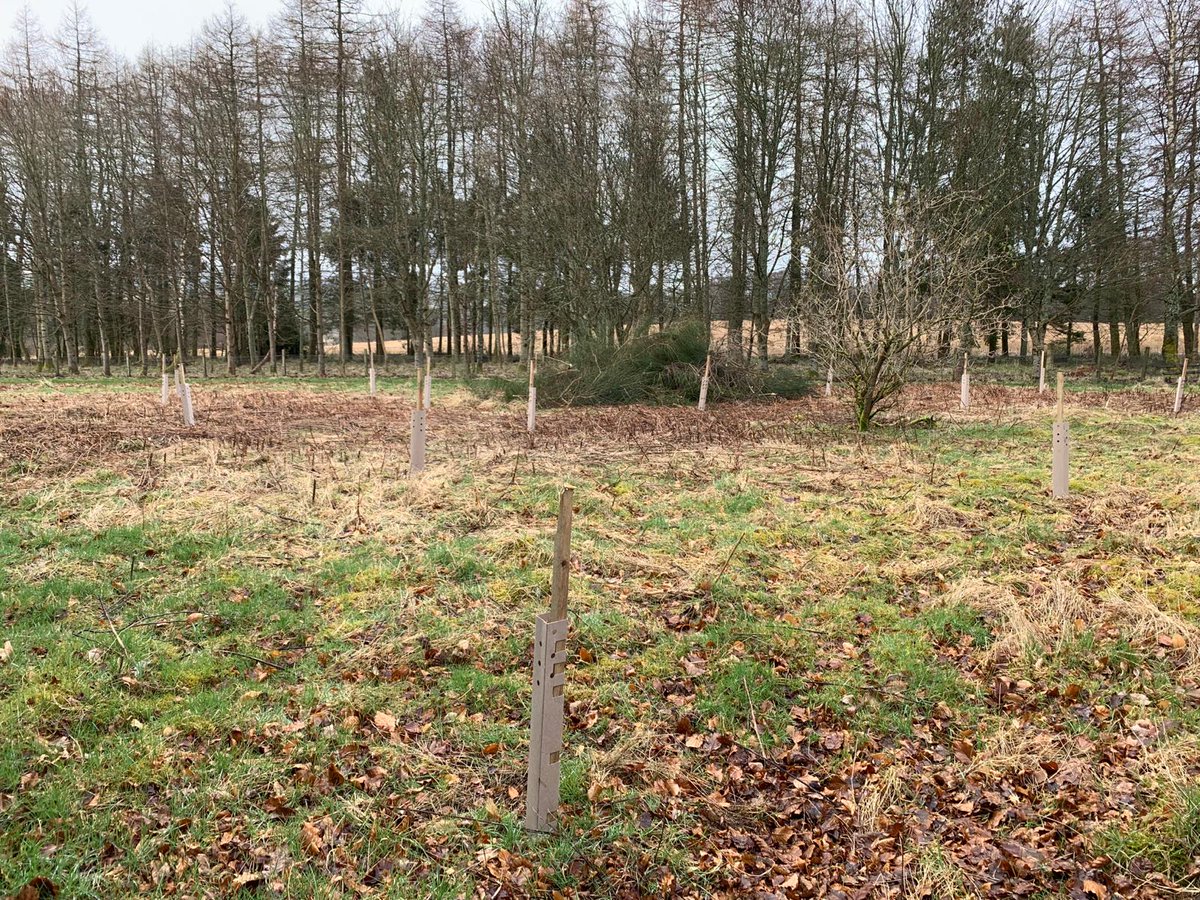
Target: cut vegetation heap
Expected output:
[665,367]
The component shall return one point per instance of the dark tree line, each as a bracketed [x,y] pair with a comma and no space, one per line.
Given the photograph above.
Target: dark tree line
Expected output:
[567,172]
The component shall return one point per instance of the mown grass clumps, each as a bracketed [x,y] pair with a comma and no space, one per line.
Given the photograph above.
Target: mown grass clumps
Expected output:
[663,367]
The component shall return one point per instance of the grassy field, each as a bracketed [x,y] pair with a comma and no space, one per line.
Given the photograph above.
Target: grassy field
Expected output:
[256,656]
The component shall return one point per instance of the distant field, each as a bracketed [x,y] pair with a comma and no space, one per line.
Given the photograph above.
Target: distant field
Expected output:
[256,656]
[1150,340]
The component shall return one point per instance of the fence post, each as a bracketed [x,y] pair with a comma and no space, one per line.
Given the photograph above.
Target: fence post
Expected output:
[1179,388]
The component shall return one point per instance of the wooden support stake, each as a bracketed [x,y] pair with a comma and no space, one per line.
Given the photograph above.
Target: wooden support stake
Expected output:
[704,381]
[531,409]
[285,362]
[416,446]
[1060,482]
[549,680]
[1179,388]
[965,398]
[559,578]
[829,381]
[428,381]
[1042,374]
[166,384]
[128,363]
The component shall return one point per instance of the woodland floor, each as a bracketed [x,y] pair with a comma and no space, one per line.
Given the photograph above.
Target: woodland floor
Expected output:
[256,655]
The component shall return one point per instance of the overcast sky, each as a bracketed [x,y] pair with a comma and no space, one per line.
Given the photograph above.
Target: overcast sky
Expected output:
[129,25]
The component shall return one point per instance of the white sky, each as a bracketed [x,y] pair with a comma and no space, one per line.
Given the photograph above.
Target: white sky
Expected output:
[127,26]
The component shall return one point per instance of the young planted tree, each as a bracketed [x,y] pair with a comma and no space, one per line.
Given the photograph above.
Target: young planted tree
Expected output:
[911,272]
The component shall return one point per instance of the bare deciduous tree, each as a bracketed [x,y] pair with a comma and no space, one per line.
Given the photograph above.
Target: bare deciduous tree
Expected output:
[881,304]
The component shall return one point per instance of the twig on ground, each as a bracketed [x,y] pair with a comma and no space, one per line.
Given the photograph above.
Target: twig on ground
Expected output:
[261,662]
[753,718]
[729,558]
[115,633]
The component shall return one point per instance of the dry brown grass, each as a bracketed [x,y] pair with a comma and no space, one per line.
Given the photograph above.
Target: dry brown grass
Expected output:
[62,433]
[1045,617]
[833,523]
[1151,336]
[1014,749]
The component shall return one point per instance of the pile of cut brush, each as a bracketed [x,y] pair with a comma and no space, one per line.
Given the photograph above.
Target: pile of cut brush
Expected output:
[662,367]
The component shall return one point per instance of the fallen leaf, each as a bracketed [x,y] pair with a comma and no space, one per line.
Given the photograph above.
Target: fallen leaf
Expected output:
[385,722]
[39,888]
[311,840]
[278,806]
[379,873]
[249,880]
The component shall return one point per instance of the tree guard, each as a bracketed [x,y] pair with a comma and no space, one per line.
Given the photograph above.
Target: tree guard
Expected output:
[549,679]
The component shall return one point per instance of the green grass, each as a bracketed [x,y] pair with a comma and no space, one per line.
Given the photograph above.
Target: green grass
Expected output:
[1168,842]
[734,612]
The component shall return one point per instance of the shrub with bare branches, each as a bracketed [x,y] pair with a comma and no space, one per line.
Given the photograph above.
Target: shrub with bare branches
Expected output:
[895,285]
